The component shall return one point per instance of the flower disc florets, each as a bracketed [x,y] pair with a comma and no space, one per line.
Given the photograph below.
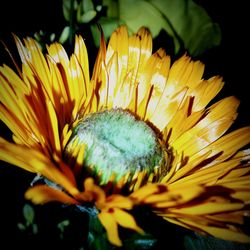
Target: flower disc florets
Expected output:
[116,143]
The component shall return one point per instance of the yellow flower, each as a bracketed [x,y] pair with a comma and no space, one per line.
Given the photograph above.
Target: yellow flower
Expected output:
[200,179]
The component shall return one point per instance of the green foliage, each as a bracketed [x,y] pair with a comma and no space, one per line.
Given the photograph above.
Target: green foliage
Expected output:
[189,23]
[29,214]
[29,224]
[64,35]
[85,12]
[185,22]
[196,242]
[97,237]
[61,226]
[140,242]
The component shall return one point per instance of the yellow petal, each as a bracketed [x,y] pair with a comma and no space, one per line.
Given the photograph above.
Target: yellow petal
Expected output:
[209,208]
[110,224]
[229,144]
[222,233]
[82,55]
[41,194]
[143,192]
[53,130]
[35,161]
[97,71]
[220,117]
[174,197]
[229,217]
[118,44]
[118,201]
[205,92]
[97,193]
[126,220]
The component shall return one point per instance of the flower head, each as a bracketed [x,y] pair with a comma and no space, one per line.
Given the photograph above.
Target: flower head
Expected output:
[140,132]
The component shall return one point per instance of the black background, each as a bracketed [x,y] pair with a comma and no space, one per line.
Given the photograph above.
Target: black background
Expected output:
[230,60]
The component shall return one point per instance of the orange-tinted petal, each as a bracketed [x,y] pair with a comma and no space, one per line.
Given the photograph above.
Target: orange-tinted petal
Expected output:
[110,224]
[41,194]
[126,220]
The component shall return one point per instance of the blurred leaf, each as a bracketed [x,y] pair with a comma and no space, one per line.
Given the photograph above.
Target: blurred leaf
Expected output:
[97,237]
[192,24]
[143,13]
[108,26]
[29,214]
[185,21]
[139,242]
[85,11]
[63,224]
[34,229]
[113,10]
[88,5]
[86,17]
[64,35]
[197,242]
[52,37]
[21,226]
[66,6]
[98,8]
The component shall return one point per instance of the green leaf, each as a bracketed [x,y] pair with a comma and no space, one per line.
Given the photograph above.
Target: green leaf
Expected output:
[108,26]
[191,23]
[143,13]
[88,5]
[86,17]
[97,237]
[85,11]
[64,35]
[52,37]
[197,242]
[112,10]
[66,6]
[29,214]
[183,20]
[21,226]
[34,229]
[139,242]
[61,225]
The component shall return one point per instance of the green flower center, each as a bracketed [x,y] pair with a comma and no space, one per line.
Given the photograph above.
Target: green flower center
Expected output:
[116,143]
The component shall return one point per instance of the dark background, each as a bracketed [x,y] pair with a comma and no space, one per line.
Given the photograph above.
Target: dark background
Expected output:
[230,60]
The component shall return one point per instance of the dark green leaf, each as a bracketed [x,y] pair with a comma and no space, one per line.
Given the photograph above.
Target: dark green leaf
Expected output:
[64,35]
[66,9]
[108,25]
[143,13]
[183,20]
[86,17]
[197,242]
[112,8]
[190,23]
[29,214]
[139,242]
[97,237]
[34,229]
[88,5]
[21,226]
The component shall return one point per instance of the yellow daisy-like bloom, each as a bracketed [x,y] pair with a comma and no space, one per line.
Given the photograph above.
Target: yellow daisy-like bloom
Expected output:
[201,179]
